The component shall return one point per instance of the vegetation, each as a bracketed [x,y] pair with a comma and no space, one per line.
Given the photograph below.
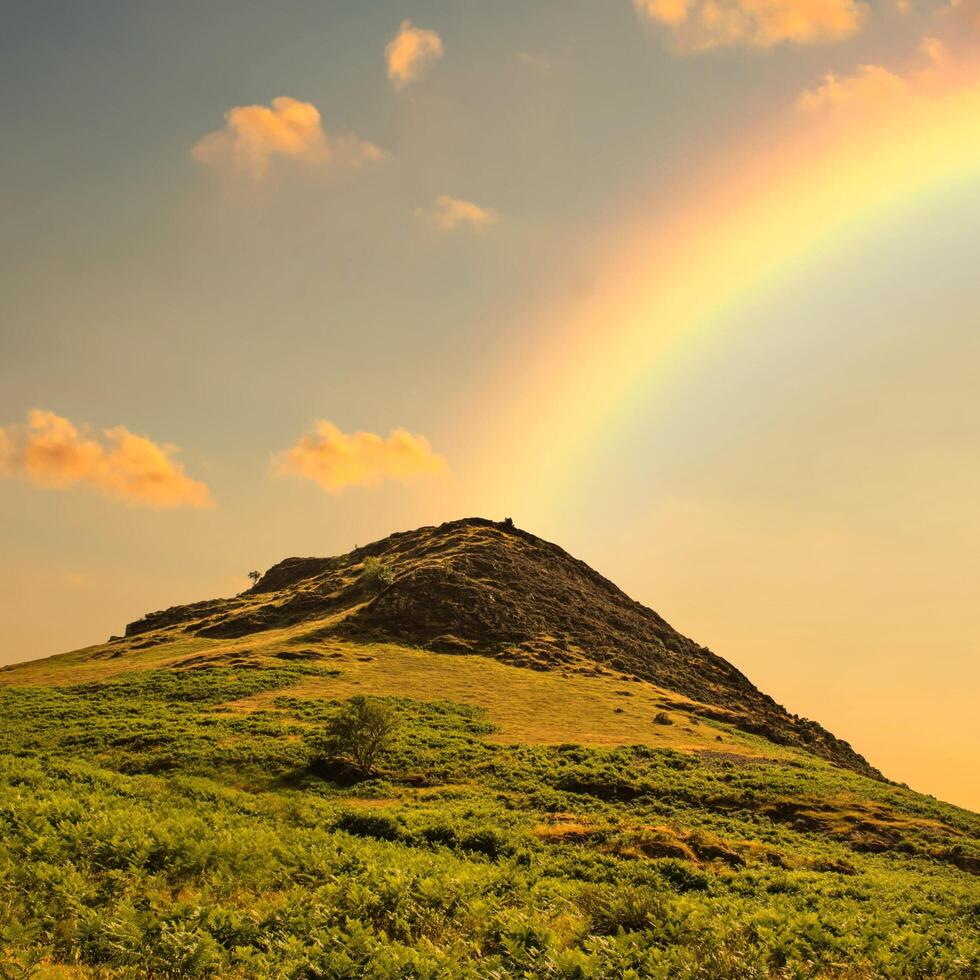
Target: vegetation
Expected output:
[360,732]
[170,822]
[469,586]
[375,575]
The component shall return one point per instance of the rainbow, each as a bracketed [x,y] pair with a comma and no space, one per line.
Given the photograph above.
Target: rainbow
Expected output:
[666,293]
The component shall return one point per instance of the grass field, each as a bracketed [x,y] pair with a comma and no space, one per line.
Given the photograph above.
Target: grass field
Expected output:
[163,814]
[546,707]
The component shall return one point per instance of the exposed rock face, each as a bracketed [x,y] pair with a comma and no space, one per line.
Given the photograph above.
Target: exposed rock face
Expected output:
[474,586]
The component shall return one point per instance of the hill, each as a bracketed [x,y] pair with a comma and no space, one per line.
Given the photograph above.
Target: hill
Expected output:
[574,790]
[477,587]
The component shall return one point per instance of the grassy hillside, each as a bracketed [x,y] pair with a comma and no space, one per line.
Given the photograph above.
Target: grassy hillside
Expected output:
[574,790]
[474,586]
[523,705]
[162,815]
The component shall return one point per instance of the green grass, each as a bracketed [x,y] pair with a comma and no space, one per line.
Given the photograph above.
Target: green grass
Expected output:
[604,709]
[168,823]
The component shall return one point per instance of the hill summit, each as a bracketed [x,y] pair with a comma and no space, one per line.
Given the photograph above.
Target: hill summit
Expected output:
[475,586]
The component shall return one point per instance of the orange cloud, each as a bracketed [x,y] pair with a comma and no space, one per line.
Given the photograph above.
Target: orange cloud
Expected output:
[254,134]
[334,460]
[699,25]
[410,53]
[52,454]
[874,89]
[869,86]
[450,213]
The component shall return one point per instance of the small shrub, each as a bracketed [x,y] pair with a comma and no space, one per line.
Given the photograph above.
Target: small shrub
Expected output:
[375,575]
[681,875]
[488,842]
[629,908]
[376,825]
[439,834]
[359,732]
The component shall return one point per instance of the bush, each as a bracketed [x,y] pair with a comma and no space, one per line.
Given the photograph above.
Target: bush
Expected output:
[375,575]
[681,876]
[377,825]
[488,842]
[360,732]
[629,908]
[439,834]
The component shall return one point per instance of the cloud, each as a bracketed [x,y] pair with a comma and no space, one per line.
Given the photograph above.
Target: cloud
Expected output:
[52,454]
[699,25]
[874,88]
[254,134]
[450,213]
[870,86]
[410,53]
[334,460]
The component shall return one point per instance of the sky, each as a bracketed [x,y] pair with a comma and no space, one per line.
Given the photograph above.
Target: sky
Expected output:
[688,287]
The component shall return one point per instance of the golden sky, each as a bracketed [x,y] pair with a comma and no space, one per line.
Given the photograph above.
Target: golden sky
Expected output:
[686,286]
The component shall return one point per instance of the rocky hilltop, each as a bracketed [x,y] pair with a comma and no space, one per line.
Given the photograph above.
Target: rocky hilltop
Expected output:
[475,586]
